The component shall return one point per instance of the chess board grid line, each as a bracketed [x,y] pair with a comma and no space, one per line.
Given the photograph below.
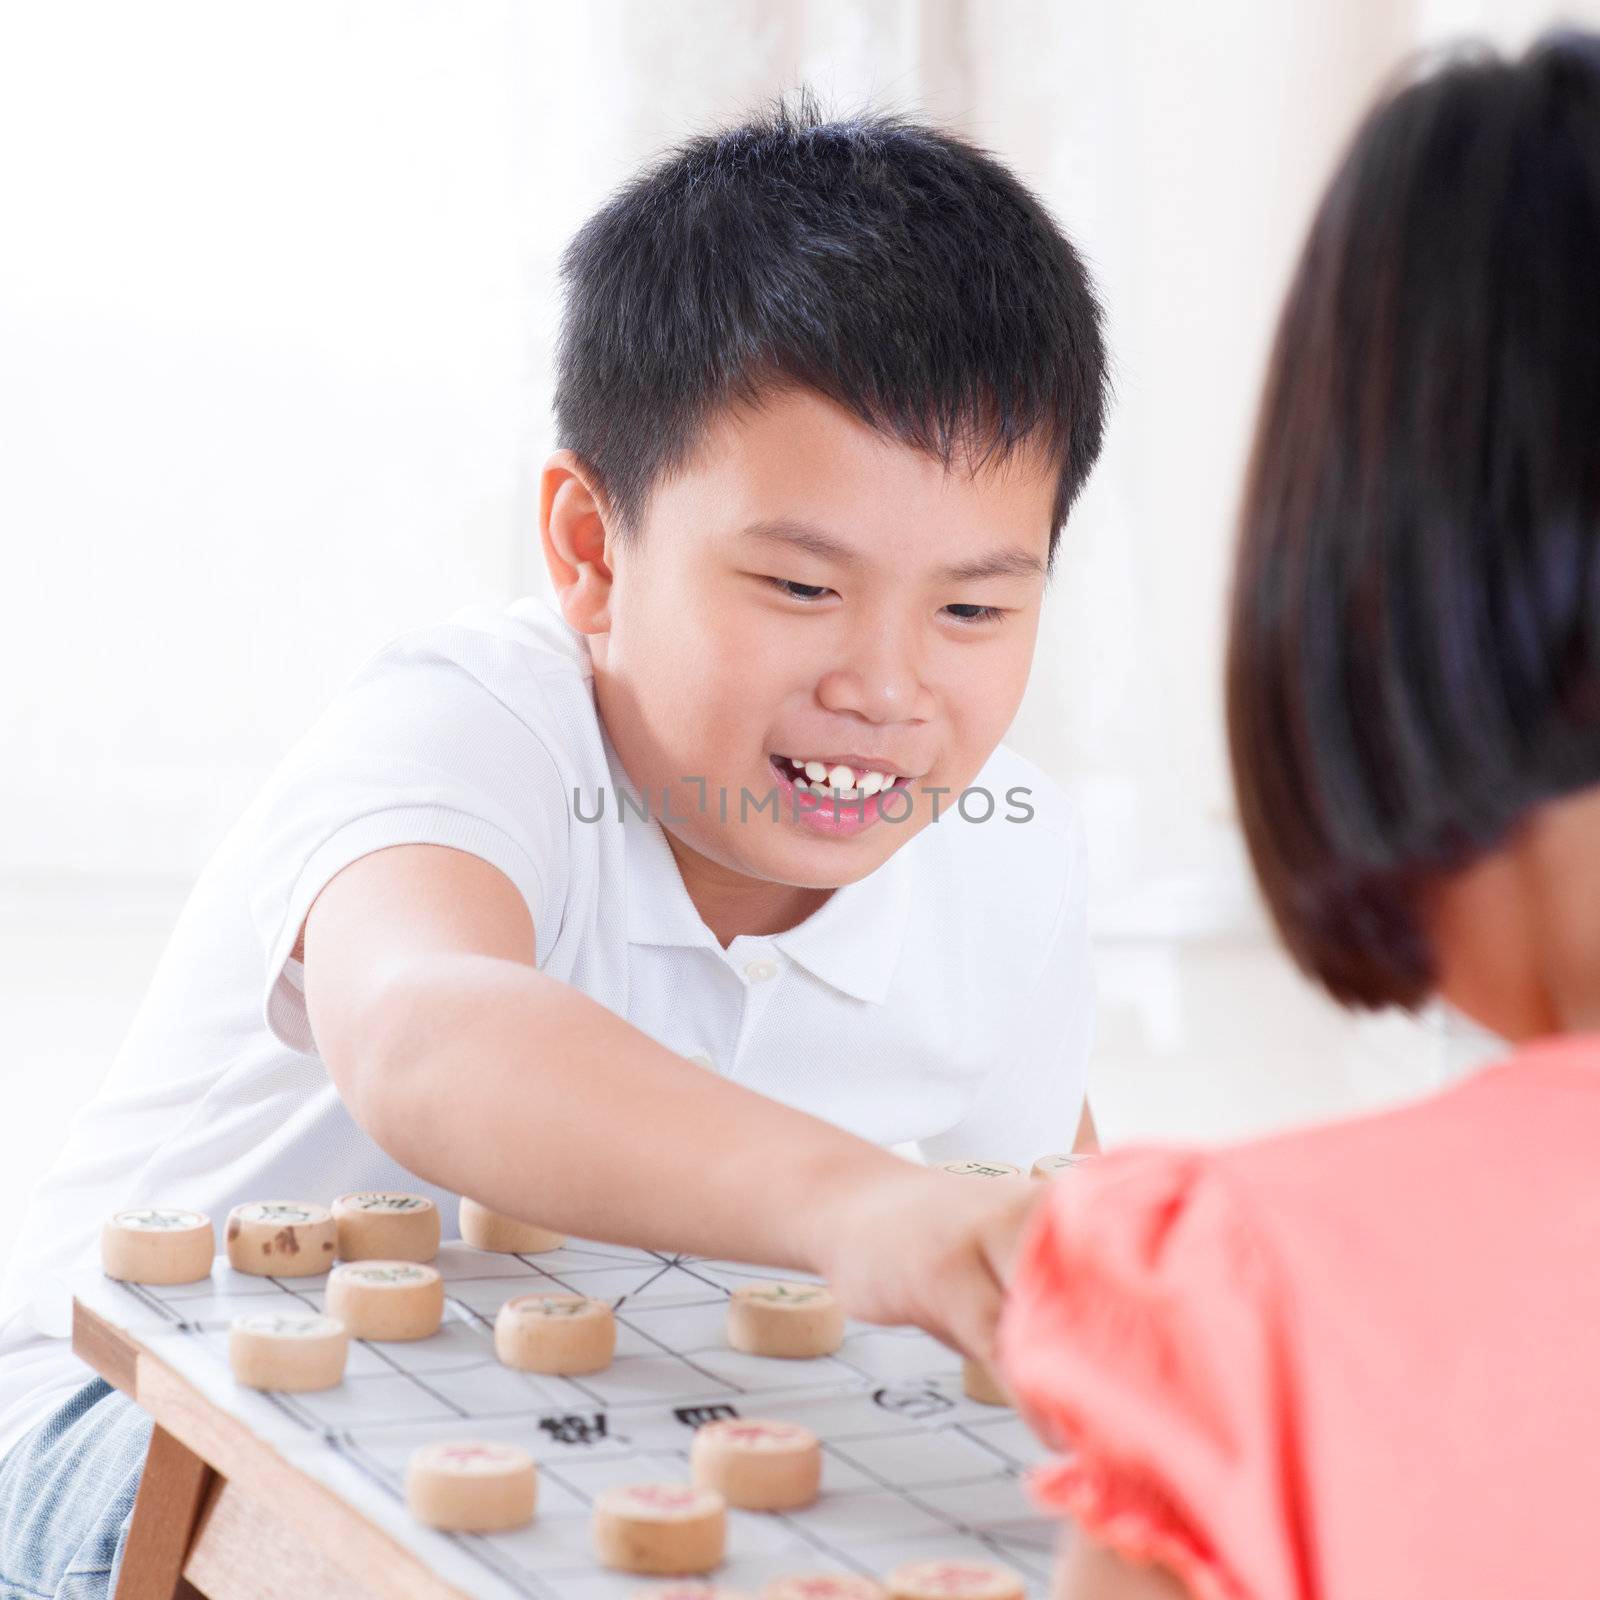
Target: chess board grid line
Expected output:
[952,1523]
[476,1321]
[783,1394]
[517,1414]
[627,1294]
[364,1433]
[679,1305]
[824,1547]
[680,1355]
[1019,1468]
[571,1488]
[542,1584]
[623,1298]
[283,1400]
[870,1385]
[737,1388]
[910,1496]
[684,1355]
[723,1294]
[860,1372]
[476,1366]
[366,1429]
[639,1288]
[617,1253]
[710,1283]
[292,1407]
[151,1302]
[616,1306]
[622,1407]
[377,1348]
[475,1546]
[878,1485]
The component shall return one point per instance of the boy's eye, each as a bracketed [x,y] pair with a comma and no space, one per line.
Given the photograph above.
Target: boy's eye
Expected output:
[799,591]
[970,615]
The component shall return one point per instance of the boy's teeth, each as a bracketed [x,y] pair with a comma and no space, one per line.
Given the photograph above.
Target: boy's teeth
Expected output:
[842,781]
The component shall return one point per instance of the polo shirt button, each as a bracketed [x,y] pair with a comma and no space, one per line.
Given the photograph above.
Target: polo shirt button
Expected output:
[703,1060]
[760,971]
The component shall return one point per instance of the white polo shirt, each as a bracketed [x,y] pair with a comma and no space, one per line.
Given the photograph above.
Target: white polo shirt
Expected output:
[944,1000]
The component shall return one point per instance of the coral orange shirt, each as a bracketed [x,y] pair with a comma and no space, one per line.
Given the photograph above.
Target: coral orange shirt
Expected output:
[1356,1363]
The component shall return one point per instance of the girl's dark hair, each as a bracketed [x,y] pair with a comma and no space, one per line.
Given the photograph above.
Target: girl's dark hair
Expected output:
[891,267]
[1414,660]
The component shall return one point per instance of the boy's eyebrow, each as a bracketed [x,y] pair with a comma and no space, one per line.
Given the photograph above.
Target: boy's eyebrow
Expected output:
[1002,564]
[803,536]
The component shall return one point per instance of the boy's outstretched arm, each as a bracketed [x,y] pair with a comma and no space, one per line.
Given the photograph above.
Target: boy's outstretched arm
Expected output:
[484,1076]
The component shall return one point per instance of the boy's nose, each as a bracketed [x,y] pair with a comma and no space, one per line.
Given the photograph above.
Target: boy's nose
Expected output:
[878,682]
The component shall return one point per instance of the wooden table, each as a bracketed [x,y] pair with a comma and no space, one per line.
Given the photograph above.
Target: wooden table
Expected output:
[221,1514]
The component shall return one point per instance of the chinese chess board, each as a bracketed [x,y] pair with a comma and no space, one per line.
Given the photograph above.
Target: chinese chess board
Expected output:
[911,1468]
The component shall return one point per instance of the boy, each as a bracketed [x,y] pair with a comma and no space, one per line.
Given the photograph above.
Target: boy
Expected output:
[827,391]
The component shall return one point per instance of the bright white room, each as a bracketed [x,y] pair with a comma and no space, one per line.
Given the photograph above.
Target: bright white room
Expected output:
[277,312]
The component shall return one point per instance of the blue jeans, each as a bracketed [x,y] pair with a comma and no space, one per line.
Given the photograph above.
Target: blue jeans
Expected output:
[66,1498]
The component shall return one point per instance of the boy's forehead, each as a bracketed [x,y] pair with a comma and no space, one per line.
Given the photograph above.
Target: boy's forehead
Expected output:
[798,469]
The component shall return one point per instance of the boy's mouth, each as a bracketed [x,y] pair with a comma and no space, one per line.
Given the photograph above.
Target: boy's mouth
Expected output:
[831,779]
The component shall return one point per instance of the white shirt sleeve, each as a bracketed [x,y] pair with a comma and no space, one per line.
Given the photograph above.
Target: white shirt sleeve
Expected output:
[1031,1102]
[417,750]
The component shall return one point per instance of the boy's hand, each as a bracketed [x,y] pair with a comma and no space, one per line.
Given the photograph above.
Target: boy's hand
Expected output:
[928,1249]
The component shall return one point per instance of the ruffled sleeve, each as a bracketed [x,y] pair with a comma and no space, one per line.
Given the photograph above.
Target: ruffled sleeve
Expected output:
[1142,1339]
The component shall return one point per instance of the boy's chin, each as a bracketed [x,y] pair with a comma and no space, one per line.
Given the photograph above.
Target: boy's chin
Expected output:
[801,864]
[796,863]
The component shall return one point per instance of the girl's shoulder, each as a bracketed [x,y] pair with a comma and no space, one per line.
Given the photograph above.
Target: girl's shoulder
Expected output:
[1327,1346]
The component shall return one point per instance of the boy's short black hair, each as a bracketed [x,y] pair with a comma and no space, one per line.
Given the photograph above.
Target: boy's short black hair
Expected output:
[1415,654]
[889,266]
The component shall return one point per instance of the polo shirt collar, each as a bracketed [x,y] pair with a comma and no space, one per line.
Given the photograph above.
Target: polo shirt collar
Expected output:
[852,943]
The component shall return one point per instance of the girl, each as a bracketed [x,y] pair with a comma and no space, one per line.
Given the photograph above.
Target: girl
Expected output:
[1359,1363]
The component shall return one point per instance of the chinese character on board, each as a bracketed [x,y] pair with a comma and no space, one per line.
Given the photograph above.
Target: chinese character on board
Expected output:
[575,1428]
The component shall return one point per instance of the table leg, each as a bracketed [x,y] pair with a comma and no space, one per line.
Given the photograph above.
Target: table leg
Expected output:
[171,1494]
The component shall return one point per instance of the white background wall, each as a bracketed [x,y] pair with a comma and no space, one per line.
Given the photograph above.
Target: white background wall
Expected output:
[276,303]
[276,310]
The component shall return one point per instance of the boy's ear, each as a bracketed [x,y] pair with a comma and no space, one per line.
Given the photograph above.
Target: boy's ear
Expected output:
[573,519]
